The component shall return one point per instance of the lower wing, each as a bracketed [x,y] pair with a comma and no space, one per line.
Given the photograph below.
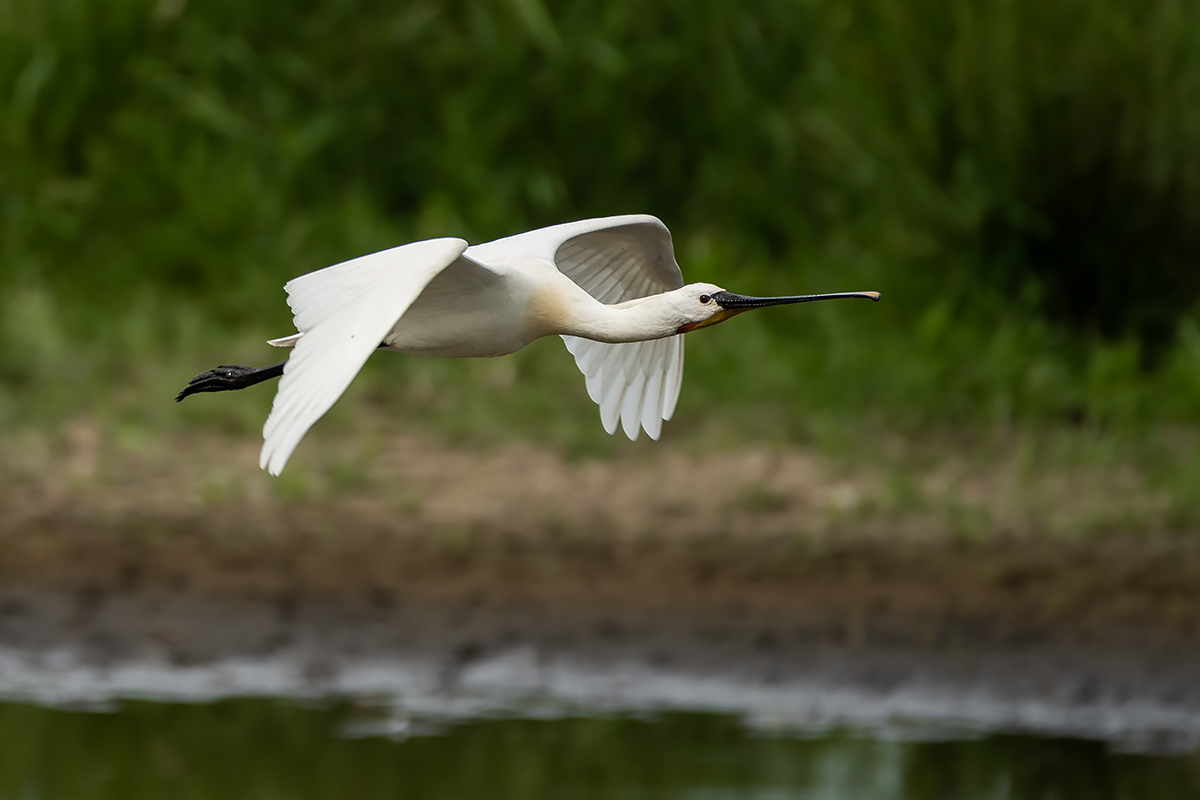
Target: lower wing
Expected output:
[636,383]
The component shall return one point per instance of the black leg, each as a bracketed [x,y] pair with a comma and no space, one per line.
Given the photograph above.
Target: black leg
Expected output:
[227,377]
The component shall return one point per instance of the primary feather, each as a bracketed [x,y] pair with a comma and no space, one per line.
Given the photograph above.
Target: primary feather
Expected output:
[344,311]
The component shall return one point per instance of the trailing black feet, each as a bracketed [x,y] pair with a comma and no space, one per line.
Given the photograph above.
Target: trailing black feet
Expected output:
[228,377]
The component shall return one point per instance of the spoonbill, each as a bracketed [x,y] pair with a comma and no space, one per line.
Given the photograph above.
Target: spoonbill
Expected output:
[610,287]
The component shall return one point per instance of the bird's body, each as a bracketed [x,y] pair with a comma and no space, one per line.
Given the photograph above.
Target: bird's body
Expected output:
[475,316]
[521,300]
[466,316]
[610,287]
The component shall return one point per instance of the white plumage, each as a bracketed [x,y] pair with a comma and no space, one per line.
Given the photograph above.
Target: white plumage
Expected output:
[609,287]
[344,312]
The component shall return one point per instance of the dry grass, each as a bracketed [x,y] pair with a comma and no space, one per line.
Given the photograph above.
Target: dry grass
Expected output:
[667,492]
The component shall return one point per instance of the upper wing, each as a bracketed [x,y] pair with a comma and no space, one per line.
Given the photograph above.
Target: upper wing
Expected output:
[344,312]
[614,259]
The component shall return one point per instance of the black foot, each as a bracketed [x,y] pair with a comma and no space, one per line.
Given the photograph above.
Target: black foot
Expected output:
[229,377]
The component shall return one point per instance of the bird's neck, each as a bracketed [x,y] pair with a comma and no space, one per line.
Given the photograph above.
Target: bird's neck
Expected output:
[636,320]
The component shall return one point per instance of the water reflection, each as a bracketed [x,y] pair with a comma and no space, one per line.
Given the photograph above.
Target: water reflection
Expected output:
[255,748]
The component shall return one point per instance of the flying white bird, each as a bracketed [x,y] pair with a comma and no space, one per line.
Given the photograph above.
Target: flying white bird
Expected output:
[609,287]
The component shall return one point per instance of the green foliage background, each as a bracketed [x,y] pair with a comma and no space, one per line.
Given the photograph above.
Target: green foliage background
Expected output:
[1021,180]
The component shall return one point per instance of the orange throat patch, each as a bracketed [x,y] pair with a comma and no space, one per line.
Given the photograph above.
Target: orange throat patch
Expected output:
[720,316]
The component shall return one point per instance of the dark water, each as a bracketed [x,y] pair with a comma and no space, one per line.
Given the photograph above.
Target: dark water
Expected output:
[253,748]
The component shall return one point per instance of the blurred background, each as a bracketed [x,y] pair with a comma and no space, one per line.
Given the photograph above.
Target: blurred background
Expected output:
[1020,179]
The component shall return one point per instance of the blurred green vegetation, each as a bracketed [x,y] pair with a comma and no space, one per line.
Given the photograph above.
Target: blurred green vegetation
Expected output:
[1021,179]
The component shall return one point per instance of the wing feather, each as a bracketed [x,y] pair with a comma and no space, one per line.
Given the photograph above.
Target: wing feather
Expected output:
[612,392]
[614,259]
[344,312]
[652,407]
[631,404]
[618,374]
[672,378]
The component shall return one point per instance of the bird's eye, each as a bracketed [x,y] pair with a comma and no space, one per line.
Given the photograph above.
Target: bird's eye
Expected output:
[704,298]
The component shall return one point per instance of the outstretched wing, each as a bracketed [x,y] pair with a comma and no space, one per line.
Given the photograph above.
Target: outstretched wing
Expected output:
[614,259]
[344,312]
[635,383]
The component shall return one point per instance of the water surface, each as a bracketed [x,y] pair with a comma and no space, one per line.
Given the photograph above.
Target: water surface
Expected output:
[267,748]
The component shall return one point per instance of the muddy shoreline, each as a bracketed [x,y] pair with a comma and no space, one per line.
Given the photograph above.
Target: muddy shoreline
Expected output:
[1097,641]
[760,583]
[468,640]
[928,593]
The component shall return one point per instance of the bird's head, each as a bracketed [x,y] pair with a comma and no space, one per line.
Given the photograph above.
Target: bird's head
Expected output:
[703,304]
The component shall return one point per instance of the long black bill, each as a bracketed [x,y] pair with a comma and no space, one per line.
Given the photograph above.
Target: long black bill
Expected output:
[739,302]
[228,377]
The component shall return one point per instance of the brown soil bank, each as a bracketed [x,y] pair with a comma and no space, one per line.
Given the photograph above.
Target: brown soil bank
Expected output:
[764,541]
[930,594]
